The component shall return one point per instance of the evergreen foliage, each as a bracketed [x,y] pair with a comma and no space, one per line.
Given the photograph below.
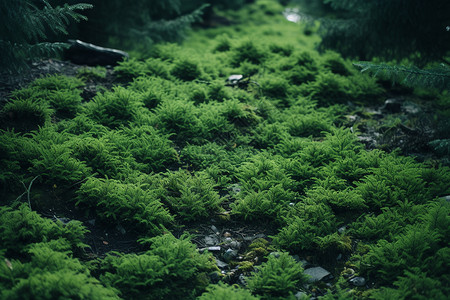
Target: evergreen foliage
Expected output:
[171,269]
[436,78]
[27,24]
[225,292]
[279,276]
[145,21]
[50,274]
[21,227]
[391,29]
[126,204]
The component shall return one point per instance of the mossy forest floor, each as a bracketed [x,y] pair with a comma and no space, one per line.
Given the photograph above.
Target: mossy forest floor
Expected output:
[161,179]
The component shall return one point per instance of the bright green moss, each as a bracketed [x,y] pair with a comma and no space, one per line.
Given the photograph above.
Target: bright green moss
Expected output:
[169,270]
[279,276]
[226,292]
[91,73]
[50,274]
[22,227]
[191,197]
[127,204]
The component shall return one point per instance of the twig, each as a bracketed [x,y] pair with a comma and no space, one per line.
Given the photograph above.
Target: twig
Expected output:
[28,191]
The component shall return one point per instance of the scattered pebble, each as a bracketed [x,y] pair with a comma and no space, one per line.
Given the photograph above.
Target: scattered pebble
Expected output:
[358,281]
[317,273]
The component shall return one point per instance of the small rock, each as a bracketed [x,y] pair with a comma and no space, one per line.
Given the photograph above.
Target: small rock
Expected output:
[342,229]
[62,220]
[275,254]
[82,53]
[242,280]
[215,248]
[235,188]
[214,228]
[221,264]
[235,245]
[301,295]
[304,263]
[214,277]
[317,273]
[256,236]
[233,80]
[392,105]
[446,198]
[211,240]
[411,108]
[229,255]
[121,229]
[358,281]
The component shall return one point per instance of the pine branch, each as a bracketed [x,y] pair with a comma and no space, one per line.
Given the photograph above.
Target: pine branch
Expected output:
[436,78]
[24,26]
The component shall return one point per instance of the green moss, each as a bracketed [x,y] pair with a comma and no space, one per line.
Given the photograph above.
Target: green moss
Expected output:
[126,204]
[225,292]
[186,70]
[22,227]
[191,197]
[168,270]
[279,276]
[25,114]
[91,74]
[114,108]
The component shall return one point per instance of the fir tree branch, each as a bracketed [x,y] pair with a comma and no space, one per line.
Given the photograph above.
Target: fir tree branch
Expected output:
[436,78]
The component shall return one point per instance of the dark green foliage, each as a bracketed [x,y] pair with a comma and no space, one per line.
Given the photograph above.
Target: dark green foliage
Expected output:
[305,225]
[167,152]
[22,227]
[25,25]
[373,29]
[421,246]
[191,197]
[50,274]
[308,125]
[91,73]
[171,269]
[101,156]
[56,164]
[178,118]
[331,88]
[226,292]
[281,276]
[141,25]
[247,51]
[435,78]
[25,114]
[185,70]
[149,147]
[114,108]
[415,284]
[61,93]
[127,204]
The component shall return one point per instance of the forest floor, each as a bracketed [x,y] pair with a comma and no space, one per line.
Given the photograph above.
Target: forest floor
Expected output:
[304,154]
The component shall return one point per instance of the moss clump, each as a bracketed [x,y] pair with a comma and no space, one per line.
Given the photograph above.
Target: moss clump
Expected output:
[169,269]
[21,227]
[278,277]
[127,204]
[224,292]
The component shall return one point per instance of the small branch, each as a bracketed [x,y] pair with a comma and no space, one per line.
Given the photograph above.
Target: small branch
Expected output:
[28,191]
